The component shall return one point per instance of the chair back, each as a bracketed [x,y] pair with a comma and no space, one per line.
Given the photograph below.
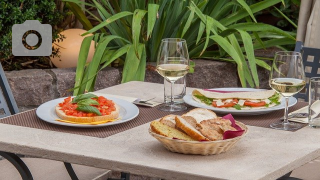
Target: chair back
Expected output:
[311,62]
[8,104]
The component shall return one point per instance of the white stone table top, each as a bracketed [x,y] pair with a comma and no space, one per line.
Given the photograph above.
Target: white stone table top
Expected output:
[262,154]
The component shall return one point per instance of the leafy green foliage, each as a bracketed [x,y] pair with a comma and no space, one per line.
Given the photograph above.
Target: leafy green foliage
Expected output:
[88,102]
[83,97]
[222,30]
[204,99]
[284,15]
[275,98]
[17,11]
[89,109]
[237,107]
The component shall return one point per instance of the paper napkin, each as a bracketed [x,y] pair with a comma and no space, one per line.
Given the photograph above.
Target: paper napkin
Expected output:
[148,103]
[305,110]
[232,134]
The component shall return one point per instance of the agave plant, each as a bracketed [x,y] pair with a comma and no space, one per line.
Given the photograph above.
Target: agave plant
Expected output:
[131,31]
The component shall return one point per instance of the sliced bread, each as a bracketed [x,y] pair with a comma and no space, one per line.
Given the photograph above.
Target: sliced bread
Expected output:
[168,131]
[200,114]
[189,129]
[191,120]
[169,120]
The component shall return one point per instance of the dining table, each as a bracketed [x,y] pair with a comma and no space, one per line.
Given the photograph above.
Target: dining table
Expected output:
[263,153]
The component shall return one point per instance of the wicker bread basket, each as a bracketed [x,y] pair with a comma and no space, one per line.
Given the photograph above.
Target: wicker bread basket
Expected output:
[197,147]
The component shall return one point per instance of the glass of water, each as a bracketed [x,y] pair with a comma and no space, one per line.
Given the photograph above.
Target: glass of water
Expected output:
[314,102]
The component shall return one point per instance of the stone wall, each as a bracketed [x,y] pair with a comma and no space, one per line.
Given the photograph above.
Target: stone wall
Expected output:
[34,87]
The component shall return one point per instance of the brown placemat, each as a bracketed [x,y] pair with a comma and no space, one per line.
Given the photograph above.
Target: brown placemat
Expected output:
[147,114]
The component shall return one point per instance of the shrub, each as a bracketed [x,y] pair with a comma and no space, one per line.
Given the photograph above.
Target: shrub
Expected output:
[17,11]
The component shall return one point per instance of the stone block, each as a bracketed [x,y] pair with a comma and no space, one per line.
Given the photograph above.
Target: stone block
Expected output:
[207,74]
[108,77]
[211,74]
[30,87]
[65,79]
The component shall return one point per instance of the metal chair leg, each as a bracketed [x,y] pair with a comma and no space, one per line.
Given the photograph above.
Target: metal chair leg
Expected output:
[124,176]
[70,170]
[18,164]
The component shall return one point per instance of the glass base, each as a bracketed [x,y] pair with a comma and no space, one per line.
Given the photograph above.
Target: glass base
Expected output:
[286,126]
[172,107]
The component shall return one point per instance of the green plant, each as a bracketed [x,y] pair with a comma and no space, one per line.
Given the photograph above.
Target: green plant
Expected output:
[17,11]
[286,14]
[132,31]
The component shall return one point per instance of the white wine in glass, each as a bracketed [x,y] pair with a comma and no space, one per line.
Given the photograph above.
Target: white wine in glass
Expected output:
[287,78]
[173,64]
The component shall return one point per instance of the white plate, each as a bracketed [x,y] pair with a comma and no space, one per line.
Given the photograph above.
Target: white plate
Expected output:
[46,112]
[189,100]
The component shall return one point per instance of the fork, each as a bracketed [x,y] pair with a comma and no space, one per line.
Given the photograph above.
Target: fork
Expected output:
[144,101]
[299,115]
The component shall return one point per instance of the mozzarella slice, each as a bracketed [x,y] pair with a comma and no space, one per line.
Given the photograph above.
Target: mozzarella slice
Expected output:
[254,100]
[241,102]
[228,100]
[219,103]
[267,101]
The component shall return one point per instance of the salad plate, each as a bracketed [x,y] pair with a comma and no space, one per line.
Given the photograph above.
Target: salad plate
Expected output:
[189,100]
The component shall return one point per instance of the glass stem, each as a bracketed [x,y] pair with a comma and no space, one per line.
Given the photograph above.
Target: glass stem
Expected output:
[172,98]
[285,121]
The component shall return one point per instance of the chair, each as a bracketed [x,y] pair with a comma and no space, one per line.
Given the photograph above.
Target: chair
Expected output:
[311,61]
[40,168]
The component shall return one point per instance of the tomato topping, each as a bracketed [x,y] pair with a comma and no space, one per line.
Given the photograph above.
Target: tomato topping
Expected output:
[254,104]
[105,107]
[226,104]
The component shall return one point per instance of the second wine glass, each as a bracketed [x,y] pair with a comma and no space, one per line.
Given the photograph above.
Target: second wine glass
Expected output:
[173,64]
[287,77]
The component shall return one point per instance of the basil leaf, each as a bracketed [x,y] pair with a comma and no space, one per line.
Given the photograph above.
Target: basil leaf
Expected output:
[89,109]
[83,96]
[275,98]
[88,102]
[237,106]
[204,99]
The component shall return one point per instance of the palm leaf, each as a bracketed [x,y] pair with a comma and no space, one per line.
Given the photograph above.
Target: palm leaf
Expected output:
[77,11]
[83,55]
[152,17]
[136,28]
[232,52]
[248,46]
[242,13]
[260,27]
[108,21]
[247,8]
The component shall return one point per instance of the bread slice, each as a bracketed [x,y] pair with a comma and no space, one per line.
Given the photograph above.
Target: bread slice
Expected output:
[192,121]
[210,130]
[189,129]
[111,116]
[167,131]
[169,120]
[200,114]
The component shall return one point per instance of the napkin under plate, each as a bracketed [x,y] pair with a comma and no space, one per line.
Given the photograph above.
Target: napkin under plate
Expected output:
[305,110]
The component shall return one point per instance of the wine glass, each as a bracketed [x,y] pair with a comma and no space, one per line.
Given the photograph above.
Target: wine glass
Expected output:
[287,78]
[173,64]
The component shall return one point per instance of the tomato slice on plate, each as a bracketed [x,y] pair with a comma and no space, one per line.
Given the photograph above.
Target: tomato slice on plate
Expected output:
[226,104]
[254,104]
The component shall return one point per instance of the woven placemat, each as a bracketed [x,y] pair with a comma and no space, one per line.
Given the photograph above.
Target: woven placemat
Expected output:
[147,114]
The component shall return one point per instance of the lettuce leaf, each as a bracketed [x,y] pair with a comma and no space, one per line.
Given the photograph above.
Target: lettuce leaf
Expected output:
[275,98]
[204,99]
